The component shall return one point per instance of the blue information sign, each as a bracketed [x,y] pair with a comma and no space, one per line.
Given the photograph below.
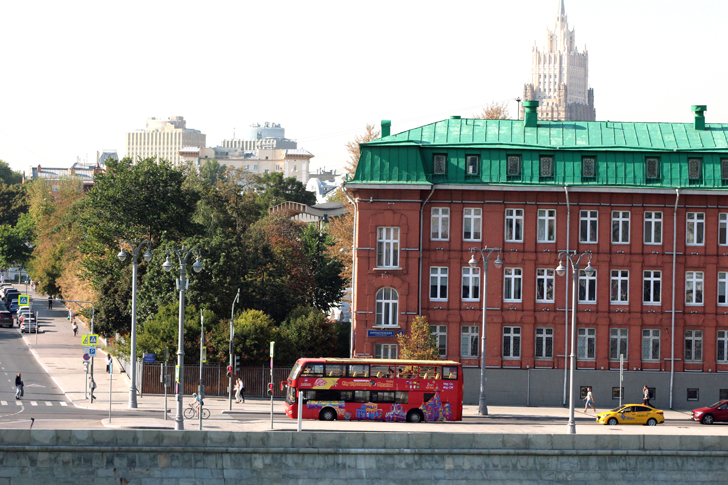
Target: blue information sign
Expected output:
[380,333]
[148,357]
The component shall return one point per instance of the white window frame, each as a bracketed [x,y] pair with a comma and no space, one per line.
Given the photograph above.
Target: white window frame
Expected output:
[473,217]
[653,228]
[696,221]
[722,288]
[589,226]
[511,342]
[439,333]
[513,284]
[387,247]
[621,337]
[545,279]
[587,283]
[387,308]
[472,334]
[439,275]
[544,335]
[585,336]
[695,338]
[722,344]
[385,351]
[471,281]
[723,229]
[622,221]
[694,288]
[650,279]
[440,224]
[546,230]
[621,278]
[514,225]
[650,337]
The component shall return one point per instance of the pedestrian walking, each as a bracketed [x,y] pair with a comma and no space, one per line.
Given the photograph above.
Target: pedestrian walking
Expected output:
[18,386]
[589,400]
[108,362]
[239,388]
[50,302]
[646,396]
[74,326]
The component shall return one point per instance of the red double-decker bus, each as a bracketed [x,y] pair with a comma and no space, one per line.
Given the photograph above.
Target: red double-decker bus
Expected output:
[376,390]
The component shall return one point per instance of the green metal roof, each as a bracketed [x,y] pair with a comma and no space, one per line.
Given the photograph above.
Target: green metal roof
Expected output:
[602,135]
[619,149]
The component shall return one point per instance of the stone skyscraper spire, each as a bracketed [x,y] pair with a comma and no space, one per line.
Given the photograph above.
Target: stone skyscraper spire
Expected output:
[560,75]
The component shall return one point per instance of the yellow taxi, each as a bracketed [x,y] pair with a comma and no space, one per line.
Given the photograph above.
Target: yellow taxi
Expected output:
[632,414]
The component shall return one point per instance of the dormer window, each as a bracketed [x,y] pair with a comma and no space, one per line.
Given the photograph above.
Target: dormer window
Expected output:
[513,168]
[652,168]
[472,164]
[439,161]
[546,167]
[588,167]
[695,169]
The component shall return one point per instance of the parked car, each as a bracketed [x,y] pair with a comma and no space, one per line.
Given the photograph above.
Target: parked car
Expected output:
[13,307]
[10,295]
[5,289]
[6,318]
[22,312]
[710,414]
[29,324]
[632,414]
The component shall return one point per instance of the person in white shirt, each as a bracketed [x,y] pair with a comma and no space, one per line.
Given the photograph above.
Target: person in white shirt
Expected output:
[589,400]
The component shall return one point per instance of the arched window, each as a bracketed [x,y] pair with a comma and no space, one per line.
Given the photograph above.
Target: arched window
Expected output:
[387,304]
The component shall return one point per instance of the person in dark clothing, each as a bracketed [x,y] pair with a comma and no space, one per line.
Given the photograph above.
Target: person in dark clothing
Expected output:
[18,386]
[50,302]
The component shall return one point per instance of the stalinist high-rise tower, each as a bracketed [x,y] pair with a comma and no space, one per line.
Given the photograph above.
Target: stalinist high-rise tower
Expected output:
[560,76]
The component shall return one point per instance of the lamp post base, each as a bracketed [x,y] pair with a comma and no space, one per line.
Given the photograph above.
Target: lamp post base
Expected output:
[571,427]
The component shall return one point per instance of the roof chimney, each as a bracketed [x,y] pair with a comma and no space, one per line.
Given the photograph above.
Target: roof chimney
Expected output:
[699,109]
[386,126]
[530,118]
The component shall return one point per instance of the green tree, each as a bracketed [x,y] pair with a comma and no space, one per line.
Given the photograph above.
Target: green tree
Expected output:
[254,331]
[13,200]
[8,176]
[273,189]
[328,283]
[419,344]
[309,334]
[14,250]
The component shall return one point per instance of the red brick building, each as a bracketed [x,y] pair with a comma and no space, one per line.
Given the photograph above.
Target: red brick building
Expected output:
[646,200]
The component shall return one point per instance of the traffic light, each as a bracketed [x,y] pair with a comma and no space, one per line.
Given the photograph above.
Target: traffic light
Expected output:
[270,389]
[237,363]
[230,371]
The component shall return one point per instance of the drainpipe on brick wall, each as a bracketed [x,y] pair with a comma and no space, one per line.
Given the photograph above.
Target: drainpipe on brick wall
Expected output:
[674,256]
[566,292]
[353,273]
[419,279]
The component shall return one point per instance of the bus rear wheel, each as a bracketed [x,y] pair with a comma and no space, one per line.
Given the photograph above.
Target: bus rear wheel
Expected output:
[415,416]
[327,414]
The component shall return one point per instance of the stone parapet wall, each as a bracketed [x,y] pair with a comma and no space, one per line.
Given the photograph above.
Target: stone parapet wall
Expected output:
[212,457]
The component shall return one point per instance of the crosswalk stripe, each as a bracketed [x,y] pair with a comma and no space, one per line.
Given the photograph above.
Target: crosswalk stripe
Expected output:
[18,403]
[33,403]
[48,403]
[63,404]
[4,403]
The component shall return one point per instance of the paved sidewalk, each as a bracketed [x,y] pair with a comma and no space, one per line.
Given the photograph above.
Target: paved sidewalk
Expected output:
[60,353]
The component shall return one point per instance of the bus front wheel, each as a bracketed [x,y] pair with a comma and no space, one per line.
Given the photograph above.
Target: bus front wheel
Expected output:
[327,414]
[415,416]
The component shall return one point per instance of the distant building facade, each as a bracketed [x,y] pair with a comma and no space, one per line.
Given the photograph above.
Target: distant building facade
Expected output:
[266,136]
[560,76]
[54,176]
[163,138]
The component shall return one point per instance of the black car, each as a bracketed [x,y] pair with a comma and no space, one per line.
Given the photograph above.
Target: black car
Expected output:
[10,295]
[6,318]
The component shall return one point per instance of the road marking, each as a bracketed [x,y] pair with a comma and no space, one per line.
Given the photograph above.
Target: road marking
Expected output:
[19,403]
[48,403]
[33,403]
[63,404]
[4,403]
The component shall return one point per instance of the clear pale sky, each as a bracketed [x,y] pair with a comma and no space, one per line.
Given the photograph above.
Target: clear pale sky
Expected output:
[78,75]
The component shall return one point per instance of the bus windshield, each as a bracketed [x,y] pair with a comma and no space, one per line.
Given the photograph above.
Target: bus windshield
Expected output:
[295,371]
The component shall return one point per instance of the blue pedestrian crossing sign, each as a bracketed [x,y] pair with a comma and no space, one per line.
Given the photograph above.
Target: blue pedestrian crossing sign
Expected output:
[23,300]
[90,339]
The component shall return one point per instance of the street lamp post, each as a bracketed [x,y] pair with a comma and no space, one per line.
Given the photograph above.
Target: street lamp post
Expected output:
[482,406]
[135,247]
[232,335]
[574,259]
[182,255]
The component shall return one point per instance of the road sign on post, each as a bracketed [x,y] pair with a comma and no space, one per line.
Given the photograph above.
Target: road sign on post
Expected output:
[89,339]
[23,300]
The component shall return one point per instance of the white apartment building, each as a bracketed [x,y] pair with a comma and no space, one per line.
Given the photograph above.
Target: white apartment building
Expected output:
[163,138]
